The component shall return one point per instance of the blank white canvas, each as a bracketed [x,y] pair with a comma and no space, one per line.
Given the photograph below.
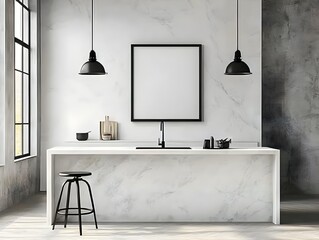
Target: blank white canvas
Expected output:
[166,83]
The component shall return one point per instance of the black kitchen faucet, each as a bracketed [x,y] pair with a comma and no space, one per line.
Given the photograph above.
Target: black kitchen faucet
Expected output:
[161,142]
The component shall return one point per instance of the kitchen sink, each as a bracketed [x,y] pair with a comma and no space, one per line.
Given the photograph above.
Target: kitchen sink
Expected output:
[163,148]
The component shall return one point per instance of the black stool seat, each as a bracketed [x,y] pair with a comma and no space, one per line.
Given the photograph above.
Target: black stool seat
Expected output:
[76,178]
[75,174]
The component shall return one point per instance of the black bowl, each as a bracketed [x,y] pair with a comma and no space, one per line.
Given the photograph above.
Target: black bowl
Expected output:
[82,136]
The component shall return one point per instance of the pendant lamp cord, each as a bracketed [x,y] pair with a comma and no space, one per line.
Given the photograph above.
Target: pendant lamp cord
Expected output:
[237,25]
[92,23]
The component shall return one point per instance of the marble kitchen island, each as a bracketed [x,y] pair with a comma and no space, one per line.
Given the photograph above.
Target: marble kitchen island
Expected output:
[171,185]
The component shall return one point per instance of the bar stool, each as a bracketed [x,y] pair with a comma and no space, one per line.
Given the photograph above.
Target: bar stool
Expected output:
[65,211]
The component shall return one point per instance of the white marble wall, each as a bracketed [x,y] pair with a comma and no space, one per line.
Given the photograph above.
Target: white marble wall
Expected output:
[173,188]
[70,103]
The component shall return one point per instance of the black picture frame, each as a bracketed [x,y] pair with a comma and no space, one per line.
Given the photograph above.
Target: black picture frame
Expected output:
[200,112]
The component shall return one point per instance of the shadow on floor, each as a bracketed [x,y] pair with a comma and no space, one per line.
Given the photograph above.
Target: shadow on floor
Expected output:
[300,209]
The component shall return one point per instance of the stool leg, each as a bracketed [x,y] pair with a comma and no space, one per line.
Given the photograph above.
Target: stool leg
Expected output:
[93,208]
[67,205]
[59,201]
[79,205]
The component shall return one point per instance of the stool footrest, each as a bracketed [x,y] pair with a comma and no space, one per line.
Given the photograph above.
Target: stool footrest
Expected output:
[61,211]
[79,210]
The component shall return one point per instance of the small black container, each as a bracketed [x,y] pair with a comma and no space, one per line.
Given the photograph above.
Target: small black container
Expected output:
[223,143]
[206,144]
[82,136]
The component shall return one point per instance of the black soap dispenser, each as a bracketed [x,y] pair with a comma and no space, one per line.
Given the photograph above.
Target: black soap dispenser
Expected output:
[212,142]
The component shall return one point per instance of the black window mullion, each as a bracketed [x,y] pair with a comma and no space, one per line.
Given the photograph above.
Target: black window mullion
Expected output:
[21,156]
[17,40]
[29,109]
[22,72]
[24,6]
[15,113]
[22,105]
[22,147]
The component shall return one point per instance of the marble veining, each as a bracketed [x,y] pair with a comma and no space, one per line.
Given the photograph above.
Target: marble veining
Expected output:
[232,104]
[175,188]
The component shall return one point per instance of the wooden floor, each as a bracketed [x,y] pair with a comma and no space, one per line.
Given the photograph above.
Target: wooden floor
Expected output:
[300,217]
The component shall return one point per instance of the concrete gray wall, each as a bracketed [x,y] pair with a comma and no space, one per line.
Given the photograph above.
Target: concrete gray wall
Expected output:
[291,89]
[2,92]
[17,179]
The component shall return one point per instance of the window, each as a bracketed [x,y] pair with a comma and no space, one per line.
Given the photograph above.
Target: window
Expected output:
[22,79]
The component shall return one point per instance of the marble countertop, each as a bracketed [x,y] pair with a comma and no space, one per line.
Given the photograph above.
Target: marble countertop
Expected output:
[172,185]
[132,150]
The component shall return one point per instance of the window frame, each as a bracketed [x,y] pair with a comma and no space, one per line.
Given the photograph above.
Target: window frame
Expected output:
[27,46]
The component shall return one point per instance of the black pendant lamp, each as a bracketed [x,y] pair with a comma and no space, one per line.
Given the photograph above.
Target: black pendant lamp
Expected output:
[92,67]
[237,67]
